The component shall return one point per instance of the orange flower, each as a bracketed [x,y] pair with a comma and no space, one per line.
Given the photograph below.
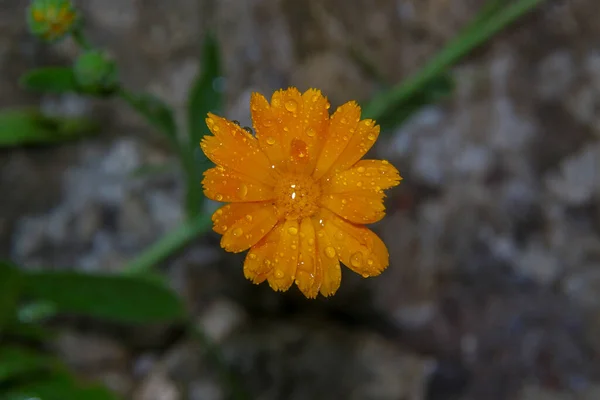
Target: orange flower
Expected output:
[299,192]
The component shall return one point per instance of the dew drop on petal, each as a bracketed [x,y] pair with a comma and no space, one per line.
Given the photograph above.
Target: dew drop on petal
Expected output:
[369,262]
[330,252]
[385,162]
[279,274]
[371,136]
[291,105]
[356,259]
[361,169]
[310,132]
[219,197]
[270,141]
[252,256]
[249,218]
[224,227]
[242,191]
[292,230]
[238,232]
[311,241]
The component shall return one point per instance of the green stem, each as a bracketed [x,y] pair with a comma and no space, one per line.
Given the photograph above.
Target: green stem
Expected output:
[455,50]
[81,40]
[168,244]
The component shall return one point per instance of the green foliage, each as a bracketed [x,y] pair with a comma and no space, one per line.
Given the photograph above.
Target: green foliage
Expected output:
[155,111]
[16,362]
[19,127]
[10,287]
[50,80]
[96,73]
[57,387]
[112,297]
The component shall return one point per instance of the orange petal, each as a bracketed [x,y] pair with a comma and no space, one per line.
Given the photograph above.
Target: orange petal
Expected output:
[366,175]
[306,145]
[359,248]
[342,126]
[226,216]
[247,231]
[285,258]
[358,207]
[258,264]
[227,185]
[234,148]
[308,275]
[363,139]
[327,262]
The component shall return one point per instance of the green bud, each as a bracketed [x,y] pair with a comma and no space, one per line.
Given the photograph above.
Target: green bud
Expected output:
[51,20]
[96,73]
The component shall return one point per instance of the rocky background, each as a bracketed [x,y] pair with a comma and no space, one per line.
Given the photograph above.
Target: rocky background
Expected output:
[494,286]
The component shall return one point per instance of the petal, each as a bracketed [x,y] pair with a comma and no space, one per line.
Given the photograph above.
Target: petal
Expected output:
[285,258]
[247,231]
[227,185]
[363,139]
[258,264]
[327,262]
[309,274]
[359,207]
[234,148]
[342,126]
[226,216]
[366,175]
[359,248]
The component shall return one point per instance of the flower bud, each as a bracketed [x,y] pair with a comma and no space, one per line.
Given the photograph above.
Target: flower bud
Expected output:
[51,20]
[95,72]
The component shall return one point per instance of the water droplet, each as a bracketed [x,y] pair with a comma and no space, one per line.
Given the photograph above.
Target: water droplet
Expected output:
[385,162]
[368,122]
[365,275]
[343,120]
[249,130]
[268,122]
[224,228]
[238,232]
[356,259]
[359,184]
[270,141]
[311,241]
[330,252]
[292,230]
[218,197]
[249,218]
[242,191]
[361,169]
[215,128]
[291,105]
[279,274]
[219,212]
[252,256]
[315,98]
[327,105]
[371,136]
[369,262]
[320,234]
[310,132]
[344,201]
[294,247]
[210,122]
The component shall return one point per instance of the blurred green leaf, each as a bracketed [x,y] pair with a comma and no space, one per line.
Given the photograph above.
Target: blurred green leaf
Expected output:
[16,362]
[168,244]
[24,331]
[36,311]
[156,112]
[50,80]
[205,96]
[10,290]
[113,297]
[491,19]
[19,127]
[437,89]
[58,387]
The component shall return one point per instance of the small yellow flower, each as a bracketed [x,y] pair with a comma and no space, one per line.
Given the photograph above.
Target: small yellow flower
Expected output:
[51,19]
[299,192]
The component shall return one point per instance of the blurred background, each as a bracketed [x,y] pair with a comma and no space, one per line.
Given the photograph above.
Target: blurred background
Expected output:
[493,291]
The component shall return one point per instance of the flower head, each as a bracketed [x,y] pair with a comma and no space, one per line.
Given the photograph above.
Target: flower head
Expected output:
[299,192]
[95,72]
[51,19]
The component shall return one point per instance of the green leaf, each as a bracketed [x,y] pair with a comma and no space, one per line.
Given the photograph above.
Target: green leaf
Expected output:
[58,387]
[19,127]
[10,290]
[169,244]
[113,297]
[155,111]
[50,80]
[16,362]
[22,331]
[490,21]
[437,89]
[36,312]
[205,95]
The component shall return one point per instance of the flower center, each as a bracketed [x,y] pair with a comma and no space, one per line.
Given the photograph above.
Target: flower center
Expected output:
[297,196]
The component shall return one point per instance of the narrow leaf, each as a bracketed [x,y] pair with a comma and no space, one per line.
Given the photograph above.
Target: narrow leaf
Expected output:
[50,80]
[10,288]
[155,111]
[58,387]
[19,127]
[113,297]
[16,362]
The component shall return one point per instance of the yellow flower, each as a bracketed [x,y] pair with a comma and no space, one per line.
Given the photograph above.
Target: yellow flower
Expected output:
[299,191]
